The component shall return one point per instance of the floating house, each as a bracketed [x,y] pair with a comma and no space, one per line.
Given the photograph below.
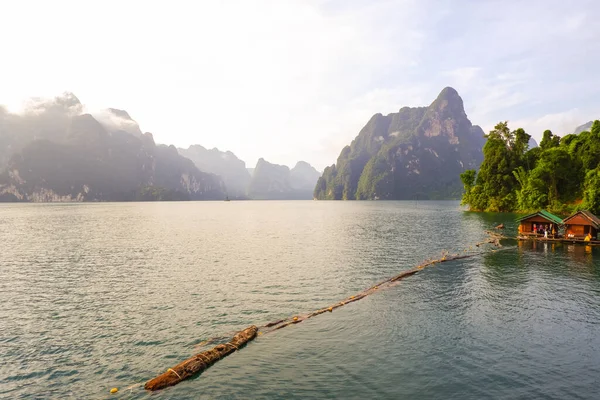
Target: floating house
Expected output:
[535,224]
[580,224]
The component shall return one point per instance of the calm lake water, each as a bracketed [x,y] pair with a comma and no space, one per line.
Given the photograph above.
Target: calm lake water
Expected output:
[96,296]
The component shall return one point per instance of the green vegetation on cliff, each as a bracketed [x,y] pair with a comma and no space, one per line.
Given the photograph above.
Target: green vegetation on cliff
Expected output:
[562,174]
[414,153]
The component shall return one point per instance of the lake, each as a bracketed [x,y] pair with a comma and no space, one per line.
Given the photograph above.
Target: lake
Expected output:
[105,295]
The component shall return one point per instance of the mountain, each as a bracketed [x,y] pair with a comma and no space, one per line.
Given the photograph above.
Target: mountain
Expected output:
[278,182]
[223,163]
[304,176]
[585,127]
[53,152]
[414,153]
[532,143]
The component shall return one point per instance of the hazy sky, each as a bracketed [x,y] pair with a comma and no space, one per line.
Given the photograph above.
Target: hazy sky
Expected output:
[296,80]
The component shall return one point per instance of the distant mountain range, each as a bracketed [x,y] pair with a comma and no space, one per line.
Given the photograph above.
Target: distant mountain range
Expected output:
[225,164]
[272,181]
[416,153]
[55,152]
[265,181]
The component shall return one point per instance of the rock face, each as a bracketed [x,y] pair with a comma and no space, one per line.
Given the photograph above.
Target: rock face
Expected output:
[416,153]
[223,163]
[55,153]
[277,182]
[585,127]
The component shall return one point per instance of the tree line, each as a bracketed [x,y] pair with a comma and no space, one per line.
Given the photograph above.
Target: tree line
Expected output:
[561,175]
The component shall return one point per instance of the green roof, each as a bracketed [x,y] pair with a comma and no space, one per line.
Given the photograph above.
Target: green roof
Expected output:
[543,214]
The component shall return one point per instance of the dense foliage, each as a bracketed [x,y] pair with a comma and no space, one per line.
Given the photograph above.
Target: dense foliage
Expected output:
[562,174]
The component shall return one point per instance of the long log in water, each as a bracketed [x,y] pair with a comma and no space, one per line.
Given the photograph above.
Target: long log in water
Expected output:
[201,361]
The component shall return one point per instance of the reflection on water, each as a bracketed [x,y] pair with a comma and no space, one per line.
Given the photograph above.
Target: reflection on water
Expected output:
[567,256]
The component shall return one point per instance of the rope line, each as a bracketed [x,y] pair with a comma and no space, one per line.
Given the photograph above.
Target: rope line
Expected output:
[175,372]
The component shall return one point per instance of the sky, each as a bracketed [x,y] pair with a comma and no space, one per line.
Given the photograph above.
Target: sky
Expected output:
[296,80]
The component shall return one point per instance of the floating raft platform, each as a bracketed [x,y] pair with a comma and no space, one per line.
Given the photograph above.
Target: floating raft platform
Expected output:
[560,240]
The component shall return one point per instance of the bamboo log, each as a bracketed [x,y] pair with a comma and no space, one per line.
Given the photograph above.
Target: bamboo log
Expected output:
[201,361]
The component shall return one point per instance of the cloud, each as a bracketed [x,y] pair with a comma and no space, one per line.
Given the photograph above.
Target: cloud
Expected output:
[561,123]
[115,120]
[66,104]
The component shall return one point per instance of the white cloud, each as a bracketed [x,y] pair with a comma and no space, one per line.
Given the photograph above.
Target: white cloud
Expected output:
[561,123]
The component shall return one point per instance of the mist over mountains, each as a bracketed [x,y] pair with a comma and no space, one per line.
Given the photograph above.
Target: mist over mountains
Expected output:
[53,151]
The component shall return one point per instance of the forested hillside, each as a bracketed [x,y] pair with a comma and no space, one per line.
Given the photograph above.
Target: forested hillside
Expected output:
[562,174]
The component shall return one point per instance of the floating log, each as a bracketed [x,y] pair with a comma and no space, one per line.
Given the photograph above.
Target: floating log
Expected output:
[201,361]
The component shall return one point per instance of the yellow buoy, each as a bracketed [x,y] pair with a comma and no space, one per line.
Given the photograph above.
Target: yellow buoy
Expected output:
[114,390]
[375,287]
[330,309]
[295,318]
[259,333]
[351,297]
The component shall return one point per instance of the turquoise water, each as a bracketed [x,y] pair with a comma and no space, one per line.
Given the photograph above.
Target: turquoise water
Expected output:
[96,296]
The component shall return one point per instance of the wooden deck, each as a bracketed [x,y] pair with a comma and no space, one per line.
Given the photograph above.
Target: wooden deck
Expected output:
[559,240]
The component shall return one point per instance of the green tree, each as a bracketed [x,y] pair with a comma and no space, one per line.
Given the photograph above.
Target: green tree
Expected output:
[495,174]
[521,143]
[591,195]
[549,140]
[468,180]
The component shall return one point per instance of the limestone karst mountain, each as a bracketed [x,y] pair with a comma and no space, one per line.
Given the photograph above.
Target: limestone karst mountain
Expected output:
[416,153]
[224,164]
[278,182]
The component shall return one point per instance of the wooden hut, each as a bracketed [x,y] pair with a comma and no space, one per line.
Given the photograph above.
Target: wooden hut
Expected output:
[580,224]
[534,224]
